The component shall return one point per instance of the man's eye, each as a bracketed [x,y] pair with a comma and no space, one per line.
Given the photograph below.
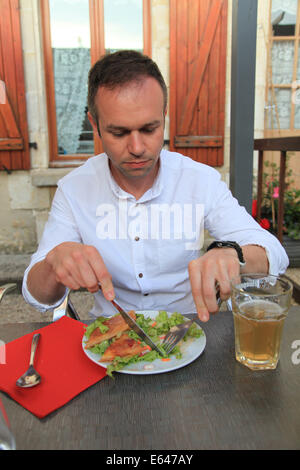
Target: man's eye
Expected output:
[118,134]
[149,130]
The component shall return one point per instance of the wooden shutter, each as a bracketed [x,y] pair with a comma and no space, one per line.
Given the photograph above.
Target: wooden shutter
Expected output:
[14,146]
[198,30]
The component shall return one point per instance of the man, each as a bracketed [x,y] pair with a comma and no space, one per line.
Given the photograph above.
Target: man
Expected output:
[128,220]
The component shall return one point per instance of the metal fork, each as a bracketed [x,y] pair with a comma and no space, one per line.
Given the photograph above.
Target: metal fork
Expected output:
[175,334]
[6,288]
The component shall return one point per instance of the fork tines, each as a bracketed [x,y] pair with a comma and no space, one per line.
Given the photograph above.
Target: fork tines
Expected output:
[167,345]
[175,334]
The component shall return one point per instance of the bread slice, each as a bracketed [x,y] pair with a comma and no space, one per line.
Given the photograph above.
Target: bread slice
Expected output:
[115,326]
[122,347]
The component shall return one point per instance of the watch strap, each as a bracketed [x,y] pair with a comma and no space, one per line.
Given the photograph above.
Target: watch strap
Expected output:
[229,244]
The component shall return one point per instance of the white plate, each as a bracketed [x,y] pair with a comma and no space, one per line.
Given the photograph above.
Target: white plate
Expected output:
[191,349]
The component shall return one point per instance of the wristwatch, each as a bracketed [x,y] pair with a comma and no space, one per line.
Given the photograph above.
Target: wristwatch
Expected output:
[229,244]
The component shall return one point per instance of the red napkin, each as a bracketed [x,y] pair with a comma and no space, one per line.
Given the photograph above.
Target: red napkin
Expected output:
[65,369]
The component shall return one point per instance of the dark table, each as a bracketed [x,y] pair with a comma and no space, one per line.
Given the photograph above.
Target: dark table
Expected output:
[213,403]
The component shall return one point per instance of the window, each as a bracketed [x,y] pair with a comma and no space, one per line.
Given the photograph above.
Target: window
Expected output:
[283,81]
[76,33]
[282,109]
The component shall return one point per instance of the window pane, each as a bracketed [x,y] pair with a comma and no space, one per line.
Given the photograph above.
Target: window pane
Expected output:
[70,36]
[297,114]
[279,109]
[123,24]
[298,66]
[283,17]
[282,62]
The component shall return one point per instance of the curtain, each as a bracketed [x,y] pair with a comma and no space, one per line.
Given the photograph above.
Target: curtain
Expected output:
[71,68]
[284,12]
[289,7]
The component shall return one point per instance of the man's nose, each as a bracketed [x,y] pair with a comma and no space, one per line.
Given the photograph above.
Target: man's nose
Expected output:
[136,144]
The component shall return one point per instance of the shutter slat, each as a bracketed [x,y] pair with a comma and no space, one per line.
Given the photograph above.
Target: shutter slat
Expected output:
[198,141]
[198,34]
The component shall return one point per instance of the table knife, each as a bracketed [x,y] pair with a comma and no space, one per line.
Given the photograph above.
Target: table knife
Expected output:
[137,329]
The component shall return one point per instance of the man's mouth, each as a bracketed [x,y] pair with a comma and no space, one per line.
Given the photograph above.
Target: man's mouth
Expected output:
[137,164]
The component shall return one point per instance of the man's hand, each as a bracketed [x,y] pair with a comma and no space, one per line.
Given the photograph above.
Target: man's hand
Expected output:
[71,265]
[218,265]
[76,265]
[221,265]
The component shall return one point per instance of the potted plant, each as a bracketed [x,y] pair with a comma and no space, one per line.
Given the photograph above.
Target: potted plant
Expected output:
[269,210]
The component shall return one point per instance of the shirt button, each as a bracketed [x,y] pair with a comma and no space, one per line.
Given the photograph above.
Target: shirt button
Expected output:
[141,275]
[137,239]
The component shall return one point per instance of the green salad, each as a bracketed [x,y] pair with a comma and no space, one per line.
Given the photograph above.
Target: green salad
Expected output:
[155,328]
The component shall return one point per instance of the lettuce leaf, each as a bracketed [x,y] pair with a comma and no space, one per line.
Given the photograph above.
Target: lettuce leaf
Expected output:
[98,323]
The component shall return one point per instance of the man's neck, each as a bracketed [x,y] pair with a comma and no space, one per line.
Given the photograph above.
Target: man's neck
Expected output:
[135,186]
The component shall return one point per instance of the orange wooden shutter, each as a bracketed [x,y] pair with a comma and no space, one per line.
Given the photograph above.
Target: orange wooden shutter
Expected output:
[14,146]
[198,31]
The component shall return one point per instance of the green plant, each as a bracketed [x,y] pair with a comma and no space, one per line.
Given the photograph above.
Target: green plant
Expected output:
[270,197]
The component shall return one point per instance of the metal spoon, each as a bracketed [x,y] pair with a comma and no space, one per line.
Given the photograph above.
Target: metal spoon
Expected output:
[30,378]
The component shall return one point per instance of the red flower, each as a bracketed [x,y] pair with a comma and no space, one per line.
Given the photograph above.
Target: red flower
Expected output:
[276,192]
[254,208]
[264,223]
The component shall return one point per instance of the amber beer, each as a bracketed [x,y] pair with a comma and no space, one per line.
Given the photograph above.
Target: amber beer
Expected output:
[260,304]
[258,327]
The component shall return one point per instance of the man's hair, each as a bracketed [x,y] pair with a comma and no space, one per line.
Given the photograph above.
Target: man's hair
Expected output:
[120,68]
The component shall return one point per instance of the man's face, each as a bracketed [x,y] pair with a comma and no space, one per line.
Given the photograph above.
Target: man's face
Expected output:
[131,122]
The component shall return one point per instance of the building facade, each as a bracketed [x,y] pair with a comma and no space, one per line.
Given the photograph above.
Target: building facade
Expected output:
[26,193]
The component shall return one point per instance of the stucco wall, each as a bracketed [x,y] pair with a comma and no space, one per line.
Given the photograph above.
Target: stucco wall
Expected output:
[26,196]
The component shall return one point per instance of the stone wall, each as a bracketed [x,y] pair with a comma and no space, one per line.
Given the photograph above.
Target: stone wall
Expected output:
[26,196]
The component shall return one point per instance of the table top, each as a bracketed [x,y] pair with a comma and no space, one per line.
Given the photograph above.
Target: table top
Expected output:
[213,403]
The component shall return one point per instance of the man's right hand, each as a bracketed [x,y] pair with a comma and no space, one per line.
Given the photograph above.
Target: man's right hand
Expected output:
[71,265]
[76,265]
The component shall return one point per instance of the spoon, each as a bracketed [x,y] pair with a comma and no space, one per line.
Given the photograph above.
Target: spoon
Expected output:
[30,378]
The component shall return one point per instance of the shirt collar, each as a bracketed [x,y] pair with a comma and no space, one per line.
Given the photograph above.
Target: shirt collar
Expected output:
[151,193]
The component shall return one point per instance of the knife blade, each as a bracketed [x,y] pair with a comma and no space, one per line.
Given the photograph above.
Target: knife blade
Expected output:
[137,329]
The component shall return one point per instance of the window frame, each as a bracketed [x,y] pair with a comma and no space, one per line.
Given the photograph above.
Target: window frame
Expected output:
[271,87]
[96,13]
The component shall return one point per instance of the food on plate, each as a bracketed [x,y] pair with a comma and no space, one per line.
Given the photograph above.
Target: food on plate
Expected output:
[122,347]
[119,346]
[108,329]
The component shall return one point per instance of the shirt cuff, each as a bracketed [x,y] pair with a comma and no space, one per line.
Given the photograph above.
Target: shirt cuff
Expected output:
[43,308]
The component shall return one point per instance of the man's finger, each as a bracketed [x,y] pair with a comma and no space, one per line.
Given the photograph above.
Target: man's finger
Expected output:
[196,285]
[103,277]
[107,287]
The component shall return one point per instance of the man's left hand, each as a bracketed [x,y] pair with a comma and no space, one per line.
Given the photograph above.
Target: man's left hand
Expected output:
[217,266]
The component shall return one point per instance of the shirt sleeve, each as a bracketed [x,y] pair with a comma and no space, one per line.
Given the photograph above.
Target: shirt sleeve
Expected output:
[225,219]
[60,227]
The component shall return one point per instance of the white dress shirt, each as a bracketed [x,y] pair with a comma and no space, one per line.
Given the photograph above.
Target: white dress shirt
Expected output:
[146,244]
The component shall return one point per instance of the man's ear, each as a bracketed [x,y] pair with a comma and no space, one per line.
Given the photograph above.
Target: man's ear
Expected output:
[92,121]
[94,124]
[165,115]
